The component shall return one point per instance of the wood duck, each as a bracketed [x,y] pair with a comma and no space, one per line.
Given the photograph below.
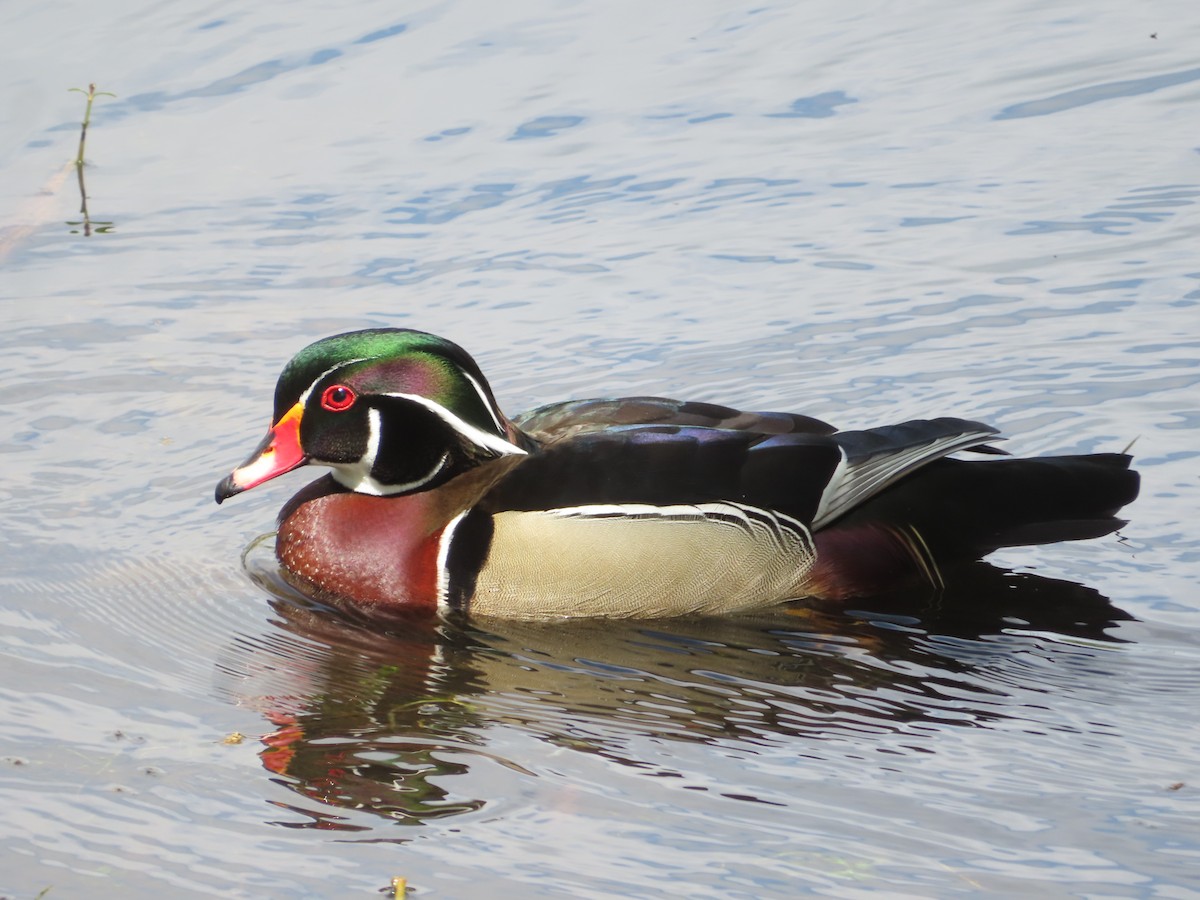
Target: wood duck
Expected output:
[635,507]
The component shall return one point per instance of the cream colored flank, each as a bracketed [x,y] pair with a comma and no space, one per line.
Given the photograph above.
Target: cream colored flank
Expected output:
[642,561]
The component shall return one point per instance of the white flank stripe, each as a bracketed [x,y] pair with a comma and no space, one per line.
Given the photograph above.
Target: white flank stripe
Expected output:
[443,554]
[737,515]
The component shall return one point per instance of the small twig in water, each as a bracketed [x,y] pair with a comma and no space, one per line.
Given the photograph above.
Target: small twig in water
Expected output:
[91,94]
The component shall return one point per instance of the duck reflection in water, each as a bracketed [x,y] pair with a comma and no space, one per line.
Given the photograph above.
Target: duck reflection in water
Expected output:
[376,723]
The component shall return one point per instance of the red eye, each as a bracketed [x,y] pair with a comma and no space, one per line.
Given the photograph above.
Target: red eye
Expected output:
[337,398]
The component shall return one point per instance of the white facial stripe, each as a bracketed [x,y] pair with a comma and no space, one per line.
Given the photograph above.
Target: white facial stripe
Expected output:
[419,482]
[374,433]
[358,478]
[475,435]
[484,398]
[443,554]
[357,475]
[346,362]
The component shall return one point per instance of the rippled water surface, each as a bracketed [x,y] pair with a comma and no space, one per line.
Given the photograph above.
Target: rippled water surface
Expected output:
[863,212]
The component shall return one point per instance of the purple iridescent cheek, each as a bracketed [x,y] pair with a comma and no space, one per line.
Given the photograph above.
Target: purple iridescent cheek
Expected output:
[410,377]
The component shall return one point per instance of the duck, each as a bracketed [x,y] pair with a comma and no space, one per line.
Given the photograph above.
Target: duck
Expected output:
[437,503]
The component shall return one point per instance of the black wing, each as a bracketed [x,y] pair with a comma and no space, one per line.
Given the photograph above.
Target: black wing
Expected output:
[560,421]
[810,477]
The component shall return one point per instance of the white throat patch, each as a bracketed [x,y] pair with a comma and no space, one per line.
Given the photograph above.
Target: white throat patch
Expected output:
[357,475]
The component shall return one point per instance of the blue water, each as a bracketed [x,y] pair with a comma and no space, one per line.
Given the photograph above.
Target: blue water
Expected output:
[858,212]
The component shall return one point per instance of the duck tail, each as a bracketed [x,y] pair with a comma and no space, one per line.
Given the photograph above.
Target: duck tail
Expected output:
[956,510]
[986,505]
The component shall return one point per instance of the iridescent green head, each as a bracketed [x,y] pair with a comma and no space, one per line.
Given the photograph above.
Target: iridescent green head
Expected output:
[390,410]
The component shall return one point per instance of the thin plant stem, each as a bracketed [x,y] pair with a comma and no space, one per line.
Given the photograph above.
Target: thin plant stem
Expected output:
[91,94]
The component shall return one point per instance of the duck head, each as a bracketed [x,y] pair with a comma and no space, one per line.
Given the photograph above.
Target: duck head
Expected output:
[390,410]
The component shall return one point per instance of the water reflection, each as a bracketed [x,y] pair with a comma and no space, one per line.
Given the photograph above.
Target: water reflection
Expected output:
[87,224]
[387,724]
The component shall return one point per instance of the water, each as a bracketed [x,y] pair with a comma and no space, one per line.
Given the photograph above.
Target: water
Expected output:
[837,209]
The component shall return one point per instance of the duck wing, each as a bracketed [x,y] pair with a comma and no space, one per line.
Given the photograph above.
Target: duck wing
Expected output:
[874,459]
[653,520]
[561,421]
[813,478]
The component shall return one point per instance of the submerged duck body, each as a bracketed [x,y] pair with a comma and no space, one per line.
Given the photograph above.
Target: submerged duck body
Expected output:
[635,507]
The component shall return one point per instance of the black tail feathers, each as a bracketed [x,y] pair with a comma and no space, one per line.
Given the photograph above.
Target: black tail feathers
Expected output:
[970,508]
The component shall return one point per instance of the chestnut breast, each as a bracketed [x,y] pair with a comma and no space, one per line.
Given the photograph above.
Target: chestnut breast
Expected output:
[369,552]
